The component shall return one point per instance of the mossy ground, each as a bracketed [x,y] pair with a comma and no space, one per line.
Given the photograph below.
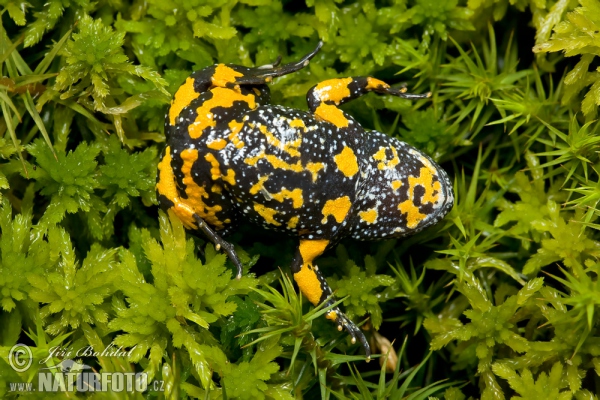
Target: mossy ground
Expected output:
[502,298]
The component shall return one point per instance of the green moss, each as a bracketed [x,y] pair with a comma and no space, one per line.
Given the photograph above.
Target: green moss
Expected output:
[360,284]
[576,35]
[501,296]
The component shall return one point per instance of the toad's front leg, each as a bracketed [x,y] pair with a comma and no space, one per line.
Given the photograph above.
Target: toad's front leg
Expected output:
[324,98]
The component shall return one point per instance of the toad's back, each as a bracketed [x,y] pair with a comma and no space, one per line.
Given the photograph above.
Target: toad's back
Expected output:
[274,166]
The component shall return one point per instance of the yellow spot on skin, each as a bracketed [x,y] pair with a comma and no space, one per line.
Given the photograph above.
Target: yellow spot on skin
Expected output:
[331,315]
[293,222]
[309,284]
[274,161]
[216,189]
[330,113]
[278,163]
[413,215]
[334,90]
[338,208]
[222,97]
[384,162]
[297,123]
[259,185]
[230,177]
[373,84]
[167,187]
[425,180]
[295,195]
[236,127]
[311,249]
[184,96]
[186,208]
[224,75]
[306,278]
[196,193]
[396,185]
[380,155]
[314,169]
[256,91]
[289,147]
[218,144]
[267,214]
[429,197]
[369,216]
[215,170]
[426,176]
[346,162]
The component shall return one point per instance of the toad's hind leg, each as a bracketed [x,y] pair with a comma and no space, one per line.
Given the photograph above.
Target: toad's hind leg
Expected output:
[324,97]
[170,199]
[314,287]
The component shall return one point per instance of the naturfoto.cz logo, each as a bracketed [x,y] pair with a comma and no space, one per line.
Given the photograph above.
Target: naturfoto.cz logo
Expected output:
[72,376]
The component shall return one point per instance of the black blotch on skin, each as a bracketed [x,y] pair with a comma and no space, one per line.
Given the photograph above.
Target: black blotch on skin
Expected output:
[426,209]
[419,192]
